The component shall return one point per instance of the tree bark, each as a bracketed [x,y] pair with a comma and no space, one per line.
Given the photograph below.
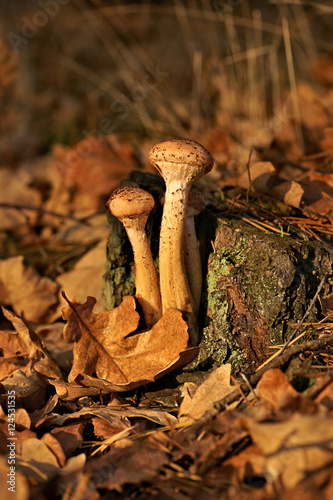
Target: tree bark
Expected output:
[257,285]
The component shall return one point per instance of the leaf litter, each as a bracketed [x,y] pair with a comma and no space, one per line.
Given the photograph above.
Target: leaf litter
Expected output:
[84,426]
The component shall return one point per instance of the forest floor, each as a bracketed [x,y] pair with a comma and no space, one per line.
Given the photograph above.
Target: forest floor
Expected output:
[86,89]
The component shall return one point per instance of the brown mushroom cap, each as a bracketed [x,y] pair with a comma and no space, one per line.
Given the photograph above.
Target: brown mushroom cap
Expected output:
[188,157]
[129,202]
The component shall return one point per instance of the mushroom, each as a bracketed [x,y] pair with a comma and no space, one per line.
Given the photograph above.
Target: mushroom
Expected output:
[181,162]
[192,259]
[196,203]
[132,206]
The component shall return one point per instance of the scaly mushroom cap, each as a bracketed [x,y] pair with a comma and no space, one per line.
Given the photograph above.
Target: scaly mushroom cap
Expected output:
[182,157]
[127,202]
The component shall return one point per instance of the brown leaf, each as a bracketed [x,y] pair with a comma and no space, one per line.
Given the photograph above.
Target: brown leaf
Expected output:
[91,331]
[215,387]
[37,462]
[260,173]
[314,193]
[70,437]
[275,388]
[103,344]
[29,390]
[132,464]
[16,191]
[23,289]
[92,168]
[56,448]
[60,350]
[85,279]
[20,486]
[32,345]
[293,448]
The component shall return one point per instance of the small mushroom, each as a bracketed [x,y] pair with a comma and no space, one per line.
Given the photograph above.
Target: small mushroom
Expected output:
[132,206]
[181,162]
[196,203]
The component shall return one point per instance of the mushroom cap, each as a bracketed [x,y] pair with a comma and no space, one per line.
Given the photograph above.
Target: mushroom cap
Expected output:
[181,158]
[130,202]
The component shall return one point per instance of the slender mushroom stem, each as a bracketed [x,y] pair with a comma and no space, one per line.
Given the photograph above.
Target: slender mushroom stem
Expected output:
[193,266]
[180,162]
[132,207]
[192,258]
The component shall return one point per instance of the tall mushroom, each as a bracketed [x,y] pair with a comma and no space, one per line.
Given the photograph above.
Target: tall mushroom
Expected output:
[196,203]
[181,162]
[132,207]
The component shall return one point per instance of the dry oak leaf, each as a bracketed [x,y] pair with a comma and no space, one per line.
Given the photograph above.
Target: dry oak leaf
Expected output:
[215,387]
[103,344]
[22,288]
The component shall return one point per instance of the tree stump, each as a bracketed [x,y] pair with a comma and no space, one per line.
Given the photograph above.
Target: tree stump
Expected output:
[257,284]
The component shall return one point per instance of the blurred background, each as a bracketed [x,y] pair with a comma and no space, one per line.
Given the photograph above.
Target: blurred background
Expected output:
[153,68]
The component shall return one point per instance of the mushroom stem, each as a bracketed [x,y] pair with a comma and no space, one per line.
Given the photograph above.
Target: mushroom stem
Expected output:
[132,206]
[180,162]
[175,290]
[193,266]
[146,282]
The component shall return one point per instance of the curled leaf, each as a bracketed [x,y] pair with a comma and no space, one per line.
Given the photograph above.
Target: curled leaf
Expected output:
[103,344]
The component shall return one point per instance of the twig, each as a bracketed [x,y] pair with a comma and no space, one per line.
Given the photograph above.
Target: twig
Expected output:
[219,406]
[320,384]
[43,211]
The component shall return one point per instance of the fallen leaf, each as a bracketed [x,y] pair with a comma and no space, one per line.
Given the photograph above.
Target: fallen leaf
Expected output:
[60,350]
[92,169]
[16,191]
[275,388]
[259,174]
[69,436]
[103,344]
[29,390]
[132,464]
[80,233]
[41,359]
[314,193]
[22,288]
[37,462]
[85,279]
[20,484]
[215,387]
[56,448]
[293,448]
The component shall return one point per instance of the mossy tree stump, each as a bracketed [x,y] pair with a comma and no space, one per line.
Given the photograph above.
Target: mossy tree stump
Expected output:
[256,284]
